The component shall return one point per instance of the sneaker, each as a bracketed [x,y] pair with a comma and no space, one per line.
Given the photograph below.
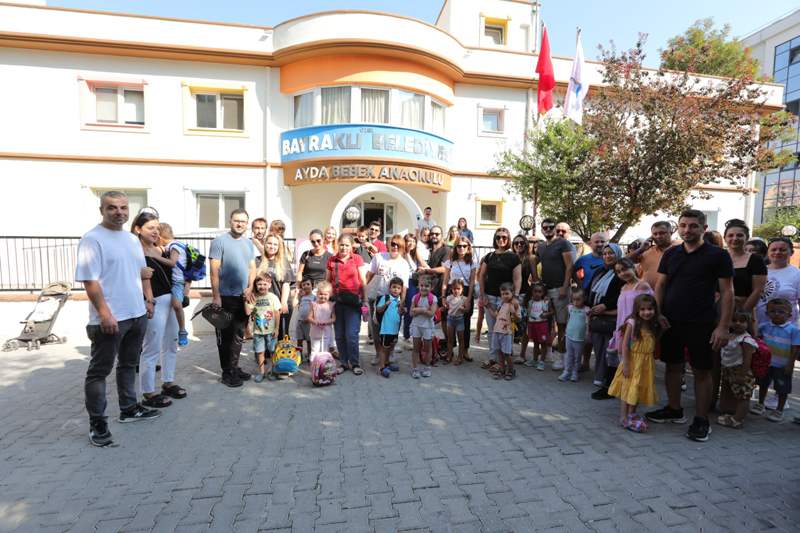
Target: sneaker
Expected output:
[393,368]
[540,365]
[699,430]
[775,416]
[771,402]
[259,377]
[530,363]
[563,377]
[558,361]
[138,413]
[598,383]
[230,380]
[386,372]
[99,435]
[601,394]
[241,374]
[398,348]
[666,414]
[415,373]
[426,372]
[407,344]
[392,359]
[683,384]
[183,337]
[375,360]
[574,376]
[796,420]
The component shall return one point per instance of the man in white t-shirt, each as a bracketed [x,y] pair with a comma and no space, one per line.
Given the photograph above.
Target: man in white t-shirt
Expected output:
[424,222]
[110,262]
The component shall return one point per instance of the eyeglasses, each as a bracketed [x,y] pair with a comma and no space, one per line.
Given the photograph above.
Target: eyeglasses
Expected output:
[778,311]
[317,241]
[462,246]
[548,228]
[432,234]
[240,222]
[394,245]
[501,237]
[561,231]
[374,229]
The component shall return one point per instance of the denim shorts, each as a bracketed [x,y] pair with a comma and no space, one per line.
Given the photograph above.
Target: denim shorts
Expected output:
[455,322]
[177,291]
[260,342]
[780,381]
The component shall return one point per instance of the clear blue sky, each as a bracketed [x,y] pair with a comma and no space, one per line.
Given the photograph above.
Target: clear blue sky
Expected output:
[600,21]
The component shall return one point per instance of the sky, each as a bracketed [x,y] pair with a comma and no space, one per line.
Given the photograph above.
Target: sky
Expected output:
[620,20]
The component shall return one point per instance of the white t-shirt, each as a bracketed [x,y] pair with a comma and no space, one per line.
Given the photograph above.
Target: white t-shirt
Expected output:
[732,353]
[384,268]
[781,283]
[421,223]
[115,259]
[177,273]
[462,270]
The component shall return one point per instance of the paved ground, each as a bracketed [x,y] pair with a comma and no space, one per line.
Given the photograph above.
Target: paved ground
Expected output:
[456,452]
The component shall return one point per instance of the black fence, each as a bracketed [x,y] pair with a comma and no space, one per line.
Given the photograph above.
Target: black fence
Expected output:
[30,263]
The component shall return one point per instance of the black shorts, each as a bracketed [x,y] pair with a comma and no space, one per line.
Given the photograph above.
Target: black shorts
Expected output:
[387,341]
[694,337]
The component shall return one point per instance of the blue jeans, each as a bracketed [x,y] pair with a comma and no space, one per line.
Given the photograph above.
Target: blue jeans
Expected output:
[124,347]
[346,329]
[411,291]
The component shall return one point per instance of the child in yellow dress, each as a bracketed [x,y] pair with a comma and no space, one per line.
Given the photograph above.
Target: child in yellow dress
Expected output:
[634,381]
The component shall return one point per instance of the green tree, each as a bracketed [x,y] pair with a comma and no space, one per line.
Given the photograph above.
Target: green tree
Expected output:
[704,49]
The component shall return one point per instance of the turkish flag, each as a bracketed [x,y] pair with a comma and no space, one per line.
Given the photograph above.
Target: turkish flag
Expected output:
[547,79]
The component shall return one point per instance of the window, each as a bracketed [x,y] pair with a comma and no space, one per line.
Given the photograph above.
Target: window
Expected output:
[375,106]
[494,34]
[489,213]
[494,31]
[303,110]
[491,121]
[216,110]
[411,110]
[137,199]
[112,104]
[214,209]
[335,105]
[437,118]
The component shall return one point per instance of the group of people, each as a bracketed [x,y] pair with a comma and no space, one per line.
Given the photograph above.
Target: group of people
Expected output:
[660,300]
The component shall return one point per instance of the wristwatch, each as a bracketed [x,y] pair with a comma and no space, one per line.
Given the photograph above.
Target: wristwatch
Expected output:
[150,302]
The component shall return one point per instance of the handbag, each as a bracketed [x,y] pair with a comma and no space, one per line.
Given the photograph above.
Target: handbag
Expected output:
[603,324]
[217,317]
[612,353]
[346,298]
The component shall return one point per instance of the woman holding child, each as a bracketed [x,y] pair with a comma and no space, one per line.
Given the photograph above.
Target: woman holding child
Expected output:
[277,264]
[161,338]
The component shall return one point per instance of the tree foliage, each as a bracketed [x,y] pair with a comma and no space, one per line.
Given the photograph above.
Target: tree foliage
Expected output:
[771,227]
[656,138]
[704,49]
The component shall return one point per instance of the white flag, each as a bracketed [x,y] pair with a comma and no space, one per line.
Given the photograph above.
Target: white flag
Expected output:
[576,92]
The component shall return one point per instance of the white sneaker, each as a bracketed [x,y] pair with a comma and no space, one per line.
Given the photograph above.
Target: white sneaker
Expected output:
[574,376]
[564,377]
[558,361]
[771,402]
[392,360]
[598,383]
[376,360]
[407,344]
[398,348]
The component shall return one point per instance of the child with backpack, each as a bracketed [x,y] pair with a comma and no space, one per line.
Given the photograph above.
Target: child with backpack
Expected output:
[302,331]
[423,309]
[178,257]
[389,309]
[456,304]
[503,334]
[737,375]
[264,309]
[321,316]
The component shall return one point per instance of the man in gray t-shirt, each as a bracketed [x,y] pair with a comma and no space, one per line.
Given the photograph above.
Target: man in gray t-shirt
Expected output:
[233,269]
[557,258]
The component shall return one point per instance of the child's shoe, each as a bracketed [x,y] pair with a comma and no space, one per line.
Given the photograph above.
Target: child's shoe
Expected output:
[259,378]
[426,372]
[415,373]
[558,361]
[532,362]
[393,368]
[634,423]
[563,377]
[574,376]
[183,337]
[540,365]
[386,372]
[775,416]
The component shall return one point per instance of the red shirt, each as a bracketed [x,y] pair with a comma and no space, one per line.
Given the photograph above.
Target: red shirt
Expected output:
[379,245]
[349,279]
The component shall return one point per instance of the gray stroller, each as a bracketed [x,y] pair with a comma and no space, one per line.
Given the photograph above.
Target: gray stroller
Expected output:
[39,323]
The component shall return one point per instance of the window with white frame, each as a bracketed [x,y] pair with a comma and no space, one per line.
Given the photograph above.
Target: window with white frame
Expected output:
[437,118]
[119,105]
[489,212]
[335,105]
[215,109]
[494,34]
[303,110]
[412,110]
[113,104]
[213,209]
[375,106]
[491,121]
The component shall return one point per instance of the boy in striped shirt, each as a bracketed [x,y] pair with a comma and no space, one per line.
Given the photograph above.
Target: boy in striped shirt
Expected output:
[783,339]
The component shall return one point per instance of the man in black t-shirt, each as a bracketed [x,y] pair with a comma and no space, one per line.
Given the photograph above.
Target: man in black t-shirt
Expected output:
[440,252]
[685,290]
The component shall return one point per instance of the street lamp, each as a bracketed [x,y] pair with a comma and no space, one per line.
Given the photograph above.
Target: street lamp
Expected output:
[789,230]
[673,226]
[526,223]
[352,213]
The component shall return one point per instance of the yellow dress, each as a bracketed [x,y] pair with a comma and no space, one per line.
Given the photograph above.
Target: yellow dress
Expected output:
[640,386]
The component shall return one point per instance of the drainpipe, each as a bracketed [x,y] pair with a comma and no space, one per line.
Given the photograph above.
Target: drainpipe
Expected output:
[266,139]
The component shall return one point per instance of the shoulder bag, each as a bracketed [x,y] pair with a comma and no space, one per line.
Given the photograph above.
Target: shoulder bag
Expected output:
[346,298]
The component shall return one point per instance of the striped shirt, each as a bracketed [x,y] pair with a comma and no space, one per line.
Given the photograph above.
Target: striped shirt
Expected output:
[780,340]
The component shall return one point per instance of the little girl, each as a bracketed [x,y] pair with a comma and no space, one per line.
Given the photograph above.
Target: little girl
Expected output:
[737,376]
[634,381]
[321,316]
[423,308]
[577,331]
[264,310]
[455,304]
[539,311]
[302,330]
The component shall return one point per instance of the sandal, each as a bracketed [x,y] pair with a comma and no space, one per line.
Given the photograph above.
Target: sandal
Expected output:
[357,370]
[511,374]
[477,338]
[637,426]
[729,422]
[758,409]
[458,360]
[467,358]
[499,374]
[342,369]
[486,365]
[446,361]
[159,401]
[174,391]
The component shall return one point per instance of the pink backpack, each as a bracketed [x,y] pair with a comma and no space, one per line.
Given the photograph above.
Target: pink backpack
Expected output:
[323,369]
[438,316]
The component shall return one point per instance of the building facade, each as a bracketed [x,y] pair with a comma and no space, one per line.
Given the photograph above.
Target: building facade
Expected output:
[294,122]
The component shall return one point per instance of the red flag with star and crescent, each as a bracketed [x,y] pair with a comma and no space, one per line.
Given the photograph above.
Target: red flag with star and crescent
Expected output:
[547,79]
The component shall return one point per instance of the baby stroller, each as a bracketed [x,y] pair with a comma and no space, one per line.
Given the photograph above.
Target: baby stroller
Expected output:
[39,323]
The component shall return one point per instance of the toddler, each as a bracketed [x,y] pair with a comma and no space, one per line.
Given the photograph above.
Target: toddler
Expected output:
[264,310]
[539,313]
[456,304]
[503,334]
[302,330]
[577,331]
[321,316]
[180,287]
[423,309]
[737,376]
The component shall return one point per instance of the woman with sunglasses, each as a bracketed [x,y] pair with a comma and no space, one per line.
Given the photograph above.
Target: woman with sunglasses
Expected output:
[461,265]
[312,262]
[384,267]
[500,266]
[413,257]
[783,279]
[523,250]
